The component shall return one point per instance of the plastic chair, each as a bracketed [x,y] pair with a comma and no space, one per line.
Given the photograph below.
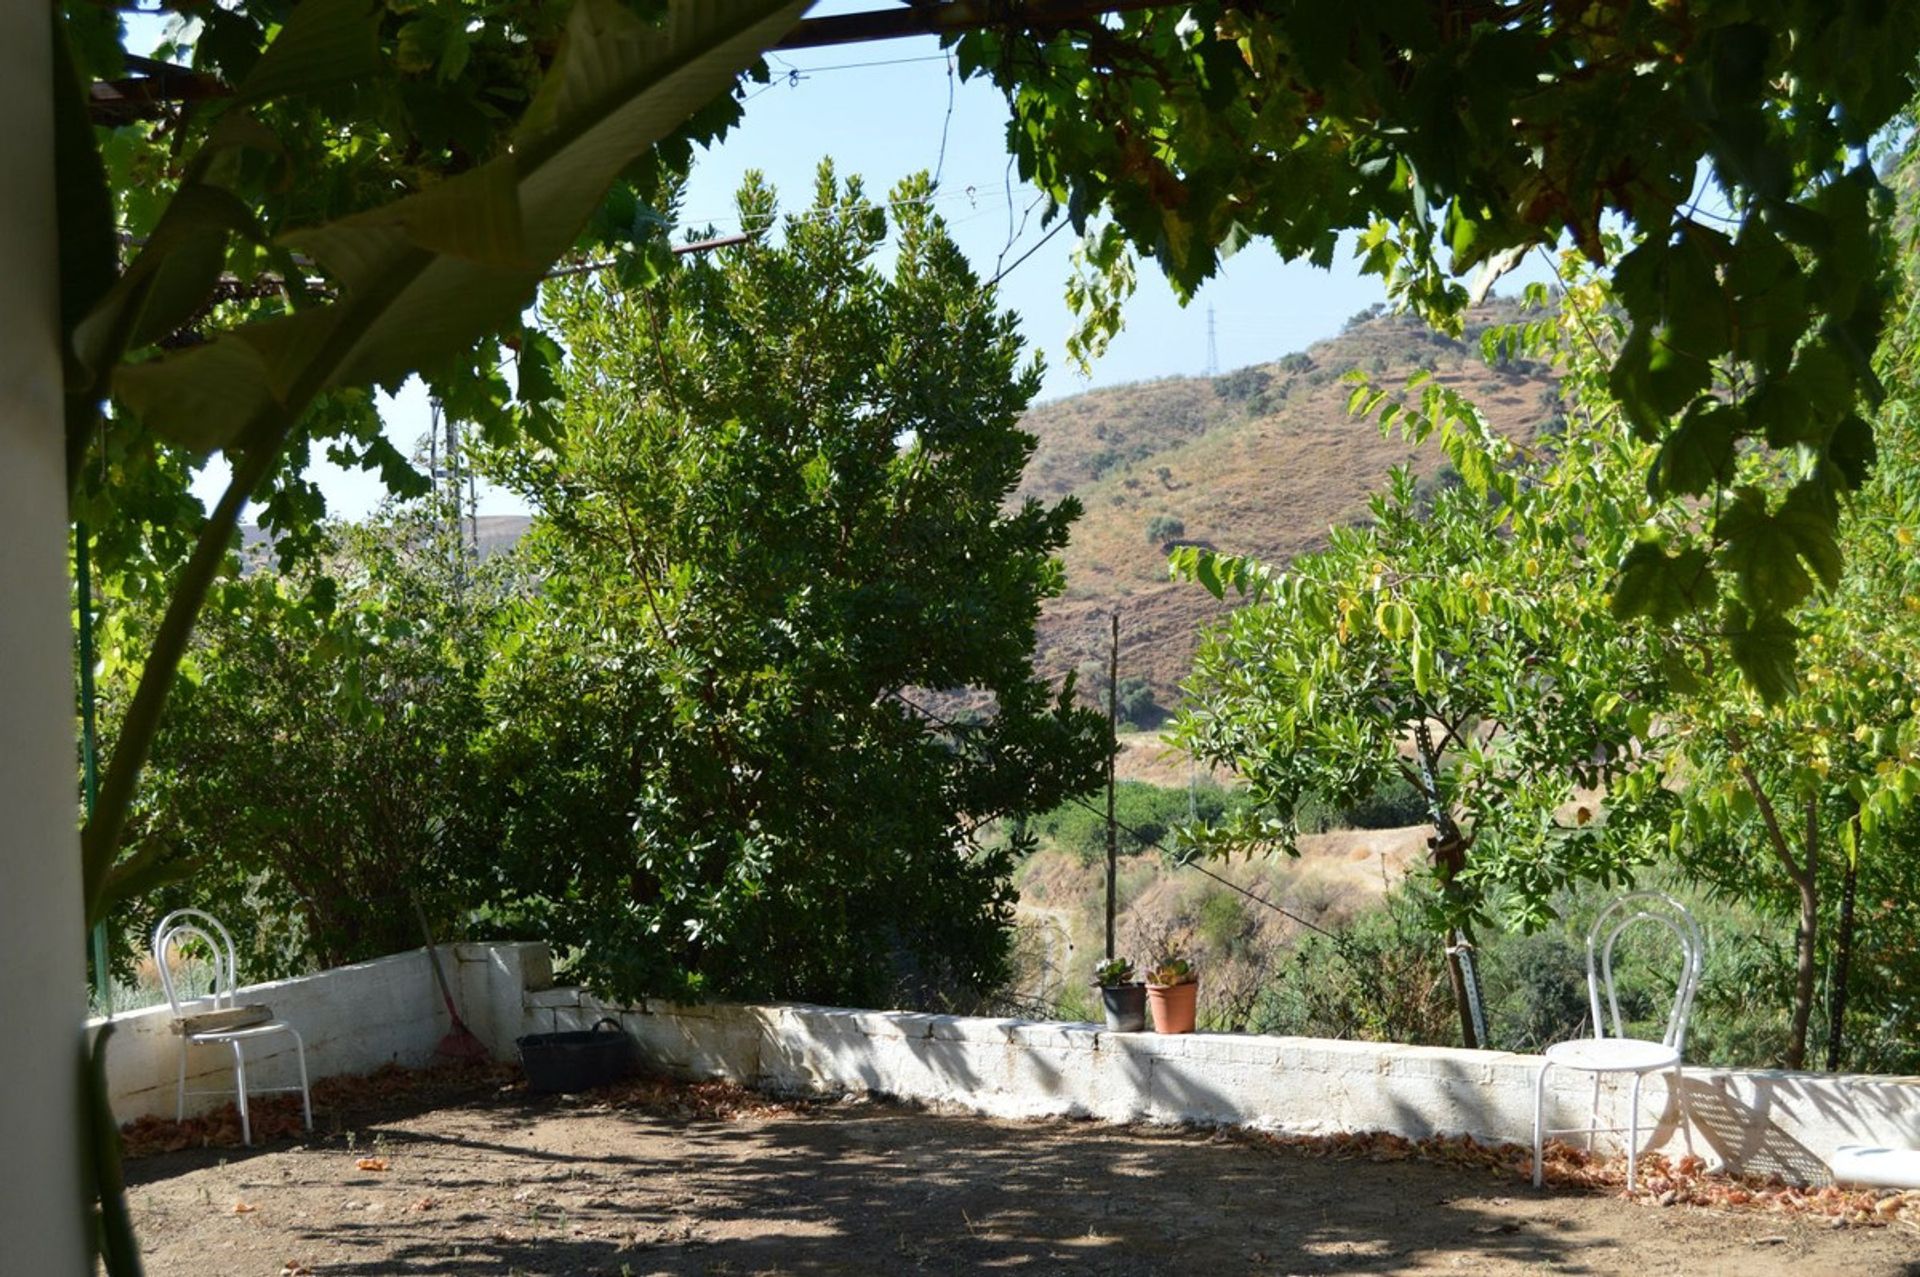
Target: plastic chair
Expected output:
[215,1020]
[1601,1054]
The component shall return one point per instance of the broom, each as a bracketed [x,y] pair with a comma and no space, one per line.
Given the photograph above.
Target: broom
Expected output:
[459,1045]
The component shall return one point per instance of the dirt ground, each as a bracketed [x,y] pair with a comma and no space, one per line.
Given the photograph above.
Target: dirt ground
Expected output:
[665,1180]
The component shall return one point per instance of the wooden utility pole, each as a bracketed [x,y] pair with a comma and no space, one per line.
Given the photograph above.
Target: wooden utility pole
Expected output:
[1113,753]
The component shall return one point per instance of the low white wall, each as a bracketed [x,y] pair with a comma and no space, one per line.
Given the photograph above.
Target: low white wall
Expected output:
[1759,1121]
[353,1020]
[357,1018]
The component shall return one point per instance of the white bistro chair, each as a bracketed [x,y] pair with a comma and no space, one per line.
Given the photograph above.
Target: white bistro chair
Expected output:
[215,1020]
[1602,1054]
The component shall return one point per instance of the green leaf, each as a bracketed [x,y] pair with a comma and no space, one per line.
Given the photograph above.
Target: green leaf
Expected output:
[538,361]
[1423,666]
[1852,449]
[1777,555]
[325,43]
[1698,455]
[1679,675]
[171,279]
[434,272]
[1763,647]
[88,256]
[1659,586]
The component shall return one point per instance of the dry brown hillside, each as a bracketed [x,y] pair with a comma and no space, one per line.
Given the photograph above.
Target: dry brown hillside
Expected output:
[1262,461]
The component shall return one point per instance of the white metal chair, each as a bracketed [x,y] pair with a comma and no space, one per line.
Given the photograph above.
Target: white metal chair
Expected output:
[1602,1054]
[215,1020]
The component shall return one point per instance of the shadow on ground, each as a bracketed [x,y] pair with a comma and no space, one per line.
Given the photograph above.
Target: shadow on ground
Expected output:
[516,1185]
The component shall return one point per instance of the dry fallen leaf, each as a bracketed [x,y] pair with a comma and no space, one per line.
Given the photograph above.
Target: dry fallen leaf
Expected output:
[425,1203]
[294,1268]
[372,1163]
[243,1208]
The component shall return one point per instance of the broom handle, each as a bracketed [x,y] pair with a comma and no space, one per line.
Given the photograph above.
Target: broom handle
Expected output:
[433,953]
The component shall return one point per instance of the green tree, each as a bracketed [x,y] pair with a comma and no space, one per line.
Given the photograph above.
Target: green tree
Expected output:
[775,507]
[1444,136]
[1464,648]
[315,773]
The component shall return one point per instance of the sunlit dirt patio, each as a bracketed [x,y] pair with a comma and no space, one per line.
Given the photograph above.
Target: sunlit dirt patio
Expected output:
[477,1176]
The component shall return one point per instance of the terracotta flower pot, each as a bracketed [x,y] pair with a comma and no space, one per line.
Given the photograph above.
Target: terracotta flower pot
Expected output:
[1173,1006]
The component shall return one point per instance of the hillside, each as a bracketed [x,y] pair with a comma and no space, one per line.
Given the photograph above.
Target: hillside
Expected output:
[1263,460]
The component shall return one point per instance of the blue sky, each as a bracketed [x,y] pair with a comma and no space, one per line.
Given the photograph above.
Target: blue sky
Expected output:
[890,109]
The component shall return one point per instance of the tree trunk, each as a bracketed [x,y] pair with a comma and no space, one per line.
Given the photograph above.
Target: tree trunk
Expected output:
[1807,885]
[1449,847]
[1804,972]
[44,1209]
[1842,959]
[1806,951]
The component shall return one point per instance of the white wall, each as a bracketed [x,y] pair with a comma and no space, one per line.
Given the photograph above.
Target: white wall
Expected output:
[357,1018]
[1758,1121]
[353,1019]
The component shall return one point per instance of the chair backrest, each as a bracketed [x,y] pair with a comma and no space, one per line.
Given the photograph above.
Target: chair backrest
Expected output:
[1644,906]
[181,927]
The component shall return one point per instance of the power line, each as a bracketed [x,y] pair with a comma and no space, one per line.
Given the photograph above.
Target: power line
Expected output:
[1179,860]
[1008,270]
[946,125]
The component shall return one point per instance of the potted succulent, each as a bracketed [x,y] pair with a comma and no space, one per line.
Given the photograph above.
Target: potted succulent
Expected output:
[1172,990]
[1123,997]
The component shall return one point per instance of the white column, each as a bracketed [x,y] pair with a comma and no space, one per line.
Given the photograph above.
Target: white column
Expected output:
[42,937]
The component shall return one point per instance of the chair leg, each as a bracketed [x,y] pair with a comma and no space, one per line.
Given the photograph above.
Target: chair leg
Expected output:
[306,1096]
[240,1088]
[180,1093]
[1679,1085]
[1633,1128]
[1539,1104]
[1593,1115]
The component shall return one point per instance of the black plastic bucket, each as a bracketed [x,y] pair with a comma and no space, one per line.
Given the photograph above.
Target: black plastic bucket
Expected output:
[577,1061]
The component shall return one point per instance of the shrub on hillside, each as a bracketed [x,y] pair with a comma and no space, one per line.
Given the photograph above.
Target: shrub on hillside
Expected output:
[1146,815]
[1242,384]
[1162,528]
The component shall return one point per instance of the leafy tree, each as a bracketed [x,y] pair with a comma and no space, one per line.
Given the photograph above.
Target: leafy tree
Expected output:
[426,191]
[1445,137]
[1135,702]
[315,774]
[1466,650]
[775,504]
[324,130]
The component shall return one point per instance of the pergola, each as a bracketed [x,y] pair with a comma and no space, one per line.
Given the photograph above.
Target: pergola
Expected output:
[43,1215]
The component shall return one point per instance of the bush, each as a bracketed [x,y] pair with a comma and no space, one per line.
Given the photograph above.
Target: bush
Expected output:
[1242,384]
[1380,977]
[1366,316]
[1145,813]
[1298,362]
[1394,805]
[1136,703]
[1162,528]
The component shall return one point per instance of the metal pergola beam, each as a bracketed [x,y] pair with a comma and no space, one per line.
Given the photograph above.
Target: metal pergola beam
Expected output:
[951,16]
[161,85]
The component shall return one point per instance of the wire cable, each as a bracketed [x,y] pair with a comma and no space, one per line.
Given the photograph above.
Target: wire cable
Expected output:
[1140,838]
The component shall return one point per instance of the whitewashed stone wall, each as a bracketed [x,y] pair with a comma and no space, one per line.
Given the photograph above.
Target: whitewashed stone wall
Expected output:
[1760,1121]
[354,1019]
[360,1017]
